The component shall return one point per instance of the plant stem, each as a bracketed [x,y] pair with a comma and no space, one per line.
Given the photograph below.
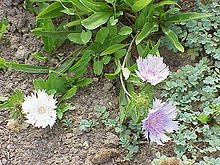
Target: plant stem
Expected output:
[123,65]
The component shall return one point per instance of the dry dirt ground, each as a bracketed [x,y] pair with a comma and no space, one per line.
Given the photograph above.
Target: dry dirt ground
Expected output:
[32,146]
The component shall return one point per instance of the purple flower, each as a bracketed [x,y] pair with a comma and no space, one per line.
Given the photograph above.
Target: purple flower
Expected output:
[159,121]
[152,69]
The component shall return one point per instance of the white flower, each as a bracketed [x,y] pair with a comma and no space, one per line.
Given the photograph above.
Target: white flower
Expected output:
[40,109]
[152,69]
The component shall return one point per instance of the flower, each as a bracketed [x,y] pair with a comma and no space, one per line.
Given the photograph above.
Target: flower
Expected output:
[159,121]
[152,69]
[40,109]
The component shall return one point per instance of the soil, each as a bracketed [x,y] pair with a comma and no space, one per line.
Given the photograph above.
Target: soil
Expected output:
[61,145]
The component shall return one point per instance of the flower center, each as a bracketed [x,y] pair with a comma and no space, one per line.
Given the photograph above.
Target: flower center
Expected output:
[41,110]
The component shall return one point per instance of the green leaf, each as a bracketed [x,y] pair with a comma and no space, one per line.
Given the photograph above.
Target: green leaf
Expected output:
[94,6]
[140,4]
[66,65]
[125,30]
[49,42]
[86,36]
[149,27]
[155,49]
[29,68]
[173,38]
[69,11]
[85,125]
[84,82]
[75,37]
[38,56]
[52,11]
[162,3]
[96,20]
[101,35]
[61,109]
[51,34]
[3,64]
[39,84]
[113,48]
[204,118]
[106,59]
[181,17]
[172,10]
[111,76]
[120,53]
[3,26]
[97,67]
[79,65]
[57,83]
[73,23]
[70,93]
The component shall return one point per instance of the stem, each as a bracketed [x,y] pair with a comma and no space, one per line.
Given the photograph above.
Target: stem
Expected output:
[123,65]
[123,86]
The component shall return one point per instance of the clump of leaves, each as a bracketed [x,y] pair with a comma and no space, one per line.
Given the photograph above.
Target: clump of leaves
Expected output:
[3,27]
[195,91]
[13,104]
[201,34]
[209,161]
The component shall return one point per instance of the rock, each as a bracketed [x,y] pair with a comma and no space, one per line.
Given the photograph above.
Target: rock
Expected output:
[108,86]
[111,139]
[1,119]
[4,161]
[14,125]
[21,53]
[86,144]
[171,161]
[105,155]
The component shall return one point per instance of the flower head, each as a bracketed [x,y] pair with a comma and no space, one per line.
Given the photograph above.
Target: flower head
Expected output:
[159,121]
[40,109]
[152,69]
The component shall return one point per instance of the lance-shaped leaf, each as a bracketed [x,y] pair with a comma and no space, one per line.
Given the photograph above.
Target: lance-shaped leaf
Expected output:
[29,68]
[140,4]
[162,3]
[173,38]
[51,34]
[112,49]
[96,20]
[97,67]
[70,93]
[149,27]
[181,17]
[52,11]
[94,6]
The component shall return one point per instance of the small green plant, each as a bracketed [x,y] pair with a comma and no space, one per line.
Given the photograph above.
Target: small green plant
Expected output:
[209,161]
[195,91]
[202,34]
[3,27]
[67,123]
[13,104]
[128,135]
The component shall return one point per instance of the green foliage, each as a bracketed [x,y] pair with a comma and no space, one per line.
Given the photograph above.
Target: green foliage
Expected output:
[195,92]
[129,135]
[129,138]
[13,104]
[209,161]
[202,34]
[3,27]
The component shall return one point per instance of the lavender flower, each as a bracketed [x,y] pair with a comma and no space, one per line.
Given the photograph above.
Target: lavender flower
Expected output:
[159,121]
[152,69]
